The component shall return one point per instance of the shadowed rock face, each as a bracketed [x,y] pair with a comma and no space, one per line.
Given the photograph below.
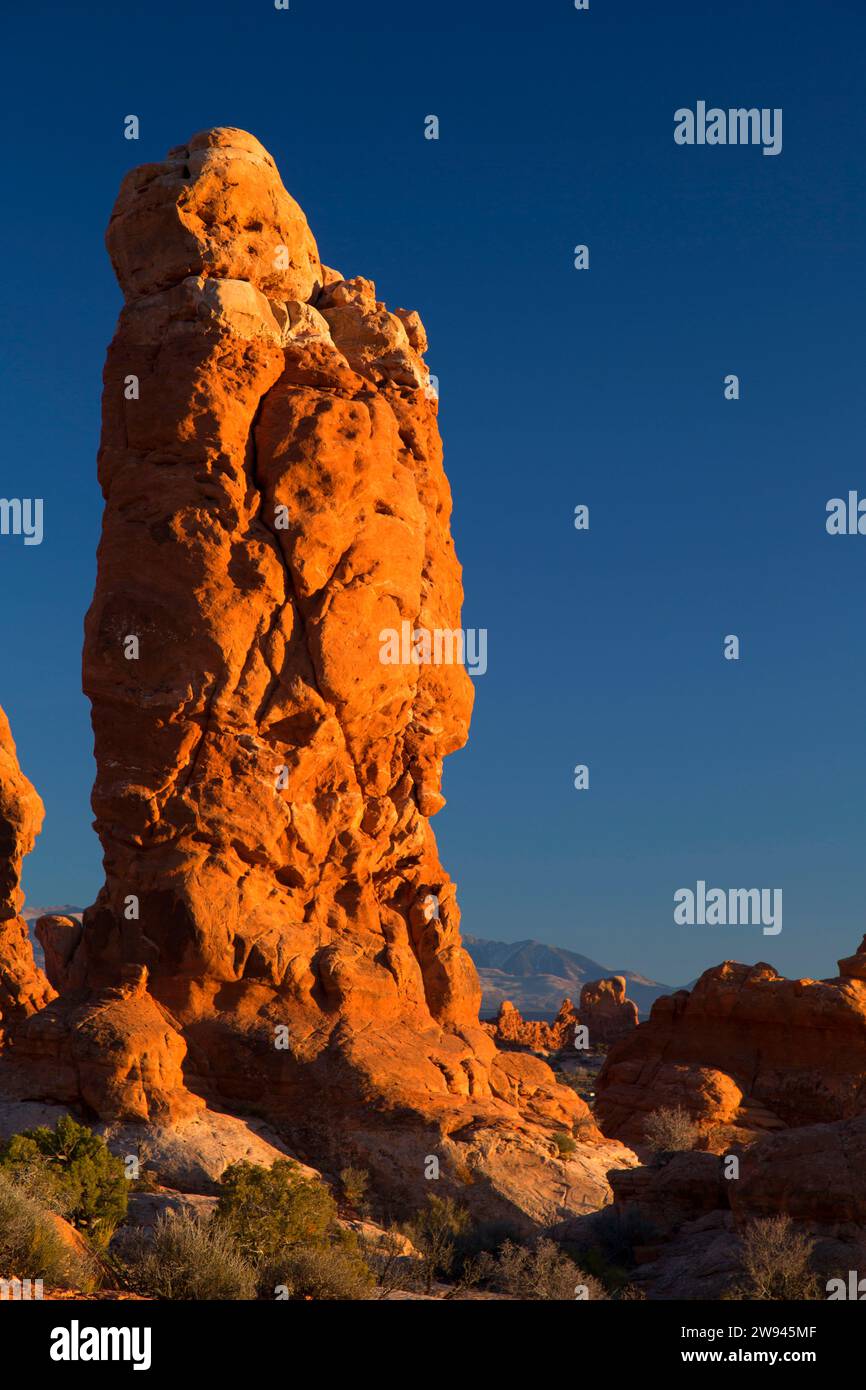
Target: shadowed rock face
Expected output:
[275,502]
[23,987]
[605,1009]
[747,1049]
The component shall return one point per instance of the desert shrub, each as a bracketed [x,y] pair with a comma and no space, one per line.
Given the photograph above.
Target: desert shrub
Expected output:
[31,1246]
[434,1232]
[354,1183]
[775,1260]
[584,1128]
[541,1271]
[565,1144]
[630,1293]
[71,1170]
[37,1178]
[147,1181]
[336,1271]
[392,1267]
[580,1079]
[269,1210]
[670,1130]
[189,1258]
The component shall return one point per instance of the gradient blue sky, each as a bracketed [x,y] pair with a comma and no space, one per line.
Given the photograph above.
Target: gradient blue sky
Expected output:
[557,387]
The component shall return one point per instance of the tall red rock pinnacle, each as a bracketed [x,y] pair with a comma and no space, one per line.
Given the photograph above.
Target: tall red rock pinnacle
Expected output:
[275,504]
[274,499]
[23,988]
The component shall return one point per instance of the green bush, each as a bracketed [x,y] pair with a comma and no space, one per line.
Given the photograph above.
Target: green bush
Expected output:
[188,1258]
[268,1210]
[70,1169]
[565,1144]
[337,1271]
[31,1247]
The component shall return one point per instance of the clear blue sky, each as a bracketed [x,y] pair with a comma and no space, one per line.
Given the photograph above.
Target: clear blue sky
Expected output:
[557,387]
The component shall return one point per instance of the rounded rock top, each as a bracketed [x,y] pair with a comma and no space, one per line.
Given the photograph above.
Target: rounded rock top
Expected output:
[216,207]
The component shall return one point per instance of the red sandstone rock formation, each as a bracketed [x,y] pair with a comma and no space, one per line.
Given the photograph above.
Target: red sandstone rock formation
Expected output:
[23,988]
[696,1208]
[815,1174]
[608,1014]
[745,1048]
[117,1053]
[604,1009]
[275,506]
[510,1027]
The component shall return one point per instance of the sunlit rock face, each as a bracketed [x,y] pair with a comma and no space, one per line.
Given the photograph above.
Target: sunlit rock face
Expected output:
[23,987]
[267,769]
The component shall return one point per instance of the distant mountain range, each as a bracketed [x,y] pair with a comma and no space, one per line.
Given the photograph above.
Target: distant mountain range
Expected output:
[537,977]
[30,914]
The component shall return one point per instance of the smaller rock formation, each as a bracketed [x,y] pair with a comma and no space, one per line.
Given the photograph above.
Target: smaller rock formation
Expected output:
[23,987]
[604,1010]
[854,967]
[746,1049]
[59,937]
[509,1027]
[607,1012]
[116,1052]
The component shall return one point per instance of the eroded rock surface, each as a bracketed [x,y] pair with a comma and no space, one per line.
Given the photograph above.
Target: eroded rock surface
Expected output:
[23,987]
[276,932]
[745,1049]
